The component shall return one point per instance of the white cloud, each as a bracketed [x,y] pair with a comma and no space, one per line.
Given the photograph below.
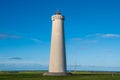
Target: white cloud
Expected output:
[9,36]
[76,39]
[36,40]
[15,58]
[83,41]
[14,36]
[93,41]
[93,38]
[100,35]
[110,35]
[88,41]
[6,36]
[2,36]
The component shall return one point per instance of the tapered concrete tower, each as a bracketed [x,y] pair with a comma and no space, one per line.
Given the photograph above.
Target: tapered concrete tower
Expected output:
[57,66]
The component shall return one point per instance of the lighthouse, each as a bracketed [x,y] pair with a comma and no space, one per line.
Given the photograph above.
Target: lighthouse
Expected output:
[57,66]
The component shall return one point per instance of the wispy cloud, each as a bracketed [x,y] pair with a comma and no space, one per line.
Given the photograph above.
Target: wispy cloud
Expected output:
[110,35]
[76,39]
[83,48]
[88,41]
[93,38]
[36,40]
[15,36]
[100,35]
[7,36]
[15,58]
[2,36]
[83,41]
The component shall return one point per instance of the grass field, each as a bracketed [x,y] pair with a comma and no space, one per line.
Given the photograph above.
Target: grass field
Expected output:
[37,75]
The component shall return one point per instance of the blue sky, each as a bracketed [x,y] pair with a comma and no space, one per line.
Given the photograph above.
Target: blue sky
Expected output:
[92,32]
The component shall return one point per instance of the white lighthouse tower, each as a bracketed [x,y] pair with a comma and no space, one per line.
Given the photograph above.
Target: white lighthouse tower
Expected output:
[57,66]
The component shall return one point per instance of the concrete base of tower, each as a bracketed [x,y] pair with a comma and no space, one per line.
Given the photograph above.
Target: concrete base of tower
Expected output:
[57,74]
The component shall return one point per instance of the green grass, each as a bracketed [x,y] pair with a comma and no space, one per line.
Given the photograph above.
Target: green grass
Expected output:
[33,75]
